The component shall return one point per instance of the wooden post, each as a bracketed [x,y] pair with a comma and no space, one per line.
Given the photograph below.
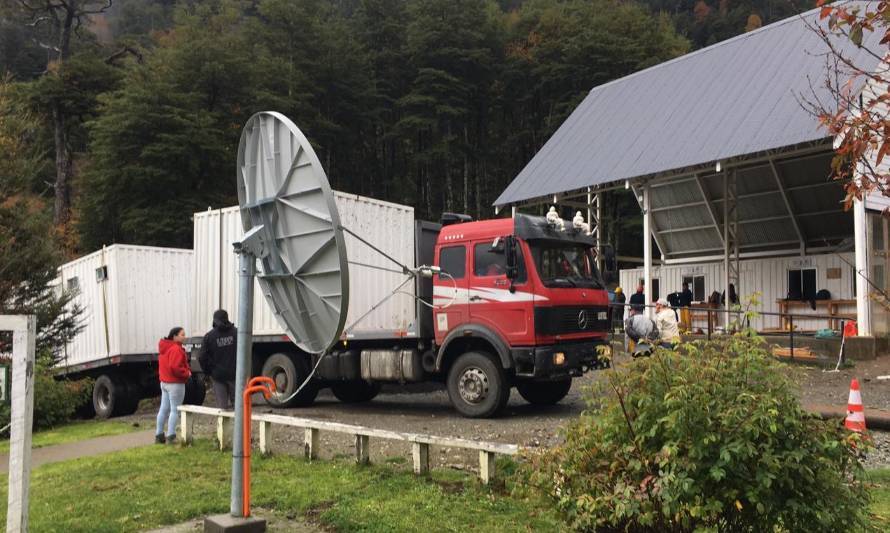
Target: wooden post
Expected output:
[187,426]
[486,466]
[310,444]
[265,437]
[361,449]
[24,334]
[223,431]
[421,453]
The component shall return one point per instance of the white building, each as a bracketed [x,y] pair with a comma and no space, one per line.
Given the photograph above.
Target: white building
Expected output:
[731,172]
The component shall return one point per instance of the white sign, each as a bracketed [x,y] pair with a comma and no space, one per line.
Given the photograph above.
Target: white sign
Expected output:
[806,262]
[24,333]
[3,383]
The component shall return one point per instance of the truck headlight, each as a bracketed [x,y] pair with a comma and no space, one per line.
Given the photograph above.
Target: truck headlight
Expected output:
[559,358]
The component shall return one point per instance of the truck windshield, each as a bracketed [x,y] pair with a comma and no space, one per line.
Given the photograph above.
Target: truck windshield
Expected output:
[562,264]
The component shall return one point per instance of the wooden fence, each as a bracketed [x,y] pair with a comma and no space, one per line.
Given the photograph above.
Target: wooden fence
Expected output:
[420,444]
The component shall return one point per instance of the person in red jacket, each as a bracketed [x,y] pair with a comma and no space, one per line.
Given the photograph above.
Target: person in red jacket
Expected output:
[173,372]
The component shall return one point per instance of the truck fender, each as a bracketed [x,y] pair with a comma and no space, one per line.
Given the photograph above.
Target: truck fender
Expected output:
[475,331]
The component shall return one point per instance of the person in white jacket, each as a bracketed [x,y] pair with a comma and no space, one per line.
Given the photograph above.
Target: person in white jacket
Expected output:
[666,322]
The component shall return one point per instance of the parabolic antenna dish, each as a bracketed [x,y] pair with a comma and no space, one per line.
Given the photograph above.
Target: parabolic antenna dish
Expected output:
[283,187]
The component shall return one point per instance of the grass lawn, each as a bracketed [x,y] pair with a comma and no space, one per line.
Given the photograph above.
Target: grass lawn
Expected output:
[880,494]
[76,431]
[152,486]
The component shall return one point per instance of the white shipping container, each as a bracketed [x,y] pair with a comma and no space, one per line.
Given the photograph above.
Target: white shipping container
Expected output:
[131,297]
[388,226]
[768,276]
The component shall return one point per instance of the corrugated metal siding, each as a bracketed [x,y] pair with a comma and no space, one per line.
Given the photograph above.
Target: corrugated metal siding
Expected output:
[768,276]
[152,295]
[734,98]
[388,226]
[146,293]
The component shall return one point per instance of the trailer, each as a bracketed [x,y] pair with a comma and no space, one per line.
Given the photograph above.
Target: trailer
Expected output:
[388,226]
[131,296]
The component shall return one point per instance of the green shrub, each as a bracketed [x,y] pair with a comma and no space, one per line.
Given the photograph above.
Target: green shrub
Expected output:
[55,401]
[708,438]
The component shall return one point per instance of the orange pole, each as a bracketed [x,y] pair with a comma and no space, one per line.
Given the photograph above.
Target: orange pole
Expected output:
[252,388]
[262,379]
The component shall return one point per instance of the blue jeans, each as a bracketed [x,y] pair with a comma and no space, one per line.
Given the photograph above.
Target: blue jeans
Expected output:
[172,395]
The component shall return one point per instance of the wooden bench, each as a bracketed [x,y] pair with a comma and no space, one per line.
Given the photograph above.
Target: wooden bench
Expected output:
[420,443]
[831,306]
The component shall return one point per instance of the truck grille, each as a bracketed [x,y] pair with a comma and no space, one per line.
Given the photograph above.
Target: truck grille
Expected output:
[571,319]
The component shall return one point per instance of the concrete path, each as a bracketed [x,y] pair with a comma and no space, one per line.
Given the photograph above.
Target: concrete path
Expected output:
[84,448]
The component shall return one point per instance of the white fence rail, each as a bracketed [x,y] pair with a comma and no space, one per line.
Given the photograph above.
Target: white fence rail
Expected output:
[420,443]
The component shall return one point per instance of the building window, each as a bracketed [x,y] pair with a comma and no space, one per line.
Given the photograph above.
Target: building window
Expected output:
[453,260]
[697,286]
[802,284]
[73,284]
[102,273]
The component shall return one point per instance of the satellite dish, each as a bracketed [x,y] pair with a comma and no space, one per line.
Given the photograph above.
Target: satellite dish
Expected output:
[283,189]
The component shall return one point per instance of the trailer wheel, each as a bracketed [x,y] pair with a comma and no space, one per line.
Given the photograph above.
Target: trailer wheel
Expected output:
[194,391]
[477,385]
[544,392]
[355,391]
[289,371]
[112,397]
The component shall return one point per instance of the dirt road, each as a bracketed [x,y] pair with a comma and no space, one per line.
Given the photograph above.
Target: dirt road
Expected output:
[426,409]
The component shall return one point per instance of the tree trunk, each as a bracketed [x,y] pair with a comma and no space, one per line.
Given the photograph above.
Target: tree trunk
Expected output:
[62,206]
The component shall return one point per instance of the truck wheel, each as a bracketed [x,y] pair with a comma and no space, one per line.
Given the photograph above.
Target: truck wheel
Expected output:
[112,397]
[477,386]
[544,392]
[355,391]
[289,372]
[194,391]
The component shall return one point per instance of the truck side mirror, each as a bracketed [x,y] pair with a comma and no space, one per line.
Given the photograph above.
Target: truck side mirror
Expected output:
[512,269]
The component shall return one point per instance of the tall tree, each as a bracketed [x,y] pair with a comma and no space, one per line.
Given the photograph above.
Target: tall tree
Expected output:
[164,145]
[64,19]
[452,51]
[29,252]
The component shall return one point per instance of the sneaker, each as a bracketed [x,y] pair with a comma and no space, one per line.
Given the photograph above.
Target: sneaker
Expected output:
[171,439]
[159,439]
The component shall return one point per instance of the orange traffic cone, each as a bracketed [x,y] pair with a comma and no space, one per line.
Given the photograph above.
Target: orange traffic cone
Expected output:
[855,414]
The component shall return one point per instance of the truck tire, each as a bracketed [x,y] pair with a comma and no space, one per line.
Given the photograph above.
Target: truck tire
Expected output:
[194,391]
[355,391]
[112,396]
[477,385]
[544,392]
[289,371]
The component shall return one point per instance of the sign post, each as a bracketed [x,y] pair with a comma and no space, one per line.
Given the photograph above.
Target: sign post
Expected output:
[24,334]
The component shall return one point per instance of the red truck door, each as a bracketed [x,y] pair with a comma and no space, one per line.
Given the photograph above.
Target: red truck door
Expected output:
[451,294]
[492,304]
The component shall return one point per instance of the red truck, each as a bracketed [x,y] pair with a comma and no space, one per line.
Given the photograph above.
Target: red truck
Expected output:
[527,309]
[518,303]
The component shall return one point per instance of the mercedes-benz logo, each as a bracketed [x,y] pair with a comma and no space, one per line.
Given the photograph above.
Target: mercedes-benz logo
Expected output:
[582,319]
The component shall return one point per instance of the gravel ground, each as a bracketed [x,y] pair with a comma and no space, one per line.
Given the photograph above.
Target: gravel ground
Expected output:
[426,409]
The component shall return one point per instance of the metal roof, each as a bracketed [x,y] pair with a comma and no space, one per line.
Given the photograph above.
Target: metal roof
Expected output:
[735,98]
[781,204]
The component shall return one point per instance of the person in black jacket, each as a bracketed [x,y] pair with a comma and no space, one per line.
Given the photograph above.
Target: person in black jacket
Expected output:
[218,358]
[638,300]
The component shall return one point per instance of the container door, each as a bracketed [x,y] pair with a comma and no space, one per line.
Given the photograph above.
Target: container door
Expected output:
[492,303]
[450,290]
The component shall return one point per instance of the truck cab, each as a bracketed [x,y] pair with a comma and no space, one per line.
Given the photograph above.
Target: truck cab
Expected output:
[518,302]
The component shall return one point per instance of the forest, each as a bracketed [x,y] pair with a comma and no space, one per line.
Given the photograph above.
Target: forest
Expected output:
[120,118]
